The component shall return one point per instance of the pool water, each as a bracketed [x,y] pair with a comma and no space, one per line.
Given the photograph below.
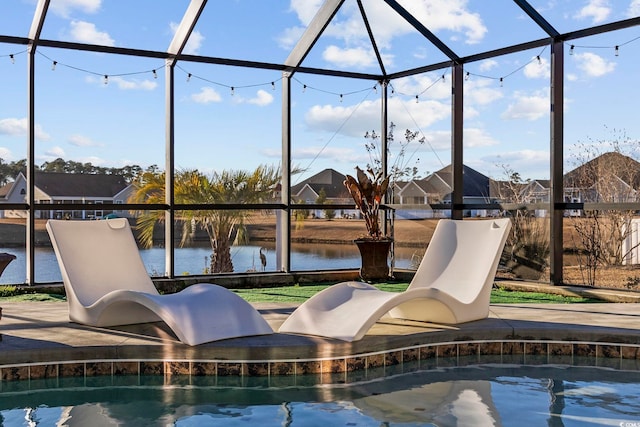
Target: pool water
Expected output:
[484,395]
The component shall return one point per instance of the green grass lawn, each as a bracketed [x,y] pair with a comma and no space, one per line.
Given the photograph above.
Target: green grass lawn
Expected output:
[300,293]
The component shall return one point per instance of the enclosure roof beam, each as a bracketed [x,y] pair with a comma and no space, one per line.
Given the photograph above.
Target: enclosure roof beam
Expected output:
[186,26]
[313,32]
[422,29]
[371,38]
[537,18]
[38,20]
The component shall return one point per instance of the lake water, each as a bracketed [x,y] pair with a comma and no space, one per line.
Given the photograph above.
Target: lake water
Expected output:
[193,261]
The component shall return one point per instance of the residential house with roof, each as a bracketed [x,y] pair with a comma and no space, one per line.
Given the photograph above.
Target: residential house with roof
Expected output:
[437,188]
[329,181]
[611,177]
[68,188]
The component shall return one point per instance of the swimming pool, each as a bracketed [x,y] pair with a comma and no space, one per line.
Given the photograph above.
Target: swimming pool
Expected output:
[500,395]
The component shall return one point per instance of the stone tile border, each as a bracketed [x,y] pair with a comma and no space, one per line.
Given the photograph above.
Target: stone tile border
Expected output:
[340,370]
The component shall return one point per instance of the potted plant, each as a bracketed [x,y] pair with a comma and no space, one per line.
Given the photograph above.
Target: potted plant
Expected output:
[367,190]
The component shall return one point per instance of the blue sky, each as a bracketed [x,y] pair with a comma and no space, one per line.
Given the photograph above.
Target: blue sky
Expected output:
[81,118]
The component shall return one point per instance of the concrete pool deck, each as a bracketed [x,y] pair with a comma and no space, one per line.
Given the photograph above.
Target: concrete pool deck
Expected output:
[38,341]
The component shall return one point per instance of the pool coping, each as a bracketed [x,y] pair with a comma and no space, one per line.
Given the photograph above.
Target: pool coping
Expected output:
[600,335]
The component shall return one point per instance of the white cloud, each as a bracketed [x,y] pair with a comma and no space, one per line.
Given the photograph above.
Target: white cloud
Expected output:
[480,91]
[349,57]
[528,107]
[354,120]
[206,95]
[65,7]
[488,64]
[305,9]
[5,154]
[82,141]
[55,152]
[452,16]
[193,44]
[86,32]
[18,127]
[532,164]
[261,99]
[438,88]
[96,161]
[634,9]
[290,37]
[594,65]
[125,84]
[122,83]
[538,69]
[477,137]
[596,10]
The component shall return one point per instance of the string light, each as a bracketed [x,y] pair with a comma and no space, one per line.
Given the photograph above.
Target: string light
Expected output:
[375,89]
[444,80]
[155,75]
[340,98]
[539,60]
[13,60]
[233,90]
[53,65]
[188,77]
[273,86]
[304,88]
[466,76]
[617,51]
[501,82]
[106,79]
[571,49]
[417,96]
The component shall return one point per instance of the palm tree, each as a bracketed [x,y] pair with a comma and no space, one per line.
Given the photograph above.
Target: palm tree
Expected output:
[223,227]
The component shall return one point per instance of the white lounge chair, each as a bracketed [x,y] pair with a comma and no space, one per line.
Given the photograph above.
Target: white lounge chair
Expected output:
[452,285]
[107,284]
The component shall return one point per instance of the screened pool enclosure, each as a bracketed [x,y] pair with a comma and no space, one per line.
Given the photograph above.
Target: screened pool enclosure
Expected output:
[475,108]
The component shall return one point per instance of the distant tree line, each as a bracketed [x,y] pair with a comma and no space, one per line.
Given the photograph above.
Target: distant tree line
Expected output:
[9,171]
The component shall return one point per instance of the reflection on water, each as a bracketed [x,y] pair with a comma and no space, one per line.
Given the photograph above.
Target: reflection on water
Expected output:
[195,260]
[472,396]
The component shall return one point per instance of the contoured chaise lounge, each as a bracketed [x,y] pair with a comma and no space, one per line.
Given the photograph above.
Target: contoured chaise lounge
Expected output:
[452,285]
[106,284]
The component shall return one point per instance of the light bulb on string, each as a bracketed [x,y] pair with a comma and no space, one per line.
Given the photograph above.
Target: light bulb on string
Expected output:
[13,60]
[466,76]
[188,77]
[341,98]
[273,86]
[571,50]
[375,88]
[155,75]
[304,88]
[416,99]
[617,51]
[233,90]
[53,65]
[444,80]
[539,60]
[501,82]
[106,79]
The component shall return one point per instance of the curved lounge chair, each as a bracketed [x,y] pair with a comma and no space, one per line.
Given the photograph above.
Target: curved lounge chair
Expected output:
[107,285]
[452,285]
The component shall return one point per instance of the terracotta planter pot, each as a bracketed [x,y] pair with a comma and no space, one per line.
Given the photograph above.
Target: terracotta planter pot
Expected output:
[375,255]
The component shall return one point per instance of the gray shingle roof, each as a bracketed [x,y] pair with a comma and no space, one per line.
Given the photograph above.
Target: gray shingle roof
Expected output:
[79,184]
